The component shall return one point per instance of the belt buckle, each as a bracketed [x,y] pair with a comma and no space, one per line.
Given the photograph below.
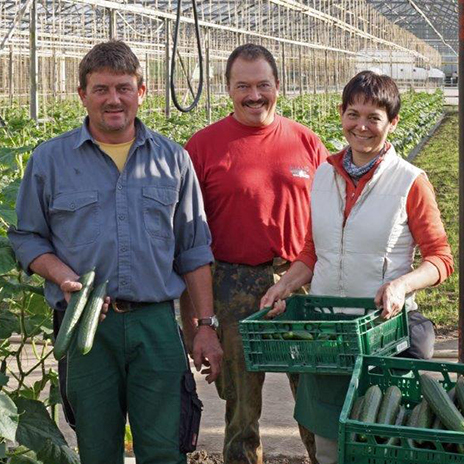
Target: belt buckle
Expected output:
[278,261]
[121,306]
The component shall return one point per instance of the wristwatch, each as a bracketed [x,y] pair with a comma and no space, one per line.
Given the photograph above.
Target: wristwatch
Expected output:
[209,321]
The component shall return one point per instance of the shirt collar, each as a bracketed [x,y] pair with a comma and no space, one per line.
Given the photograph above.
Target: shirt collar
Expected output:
[142,134]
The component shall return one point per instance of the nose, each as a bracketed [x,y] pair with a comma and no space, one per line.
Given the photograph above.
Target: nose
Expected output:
[113,96]
[254,93]
[362,124]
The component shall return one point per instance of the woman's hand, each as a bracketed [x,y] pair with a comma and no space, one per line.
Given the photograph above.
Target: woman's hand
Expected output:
[275,299]
[391,298]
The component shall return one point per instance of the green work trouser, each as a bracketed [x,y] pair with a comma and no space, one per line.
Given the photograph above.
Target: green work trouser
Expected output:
[134,368]
[237,293]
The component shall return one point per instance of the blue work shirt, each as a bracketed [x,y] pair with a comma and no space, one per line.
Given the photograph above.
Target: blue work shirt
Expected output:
[141,228]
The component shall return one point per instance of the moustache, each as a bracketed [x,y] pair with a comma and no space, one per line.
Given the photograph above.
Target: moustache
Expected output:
[113,108]
[261,101]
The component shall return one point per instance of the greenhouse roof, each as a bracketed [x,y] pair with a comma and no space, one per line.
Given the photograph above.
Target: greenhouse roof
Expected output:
[434,21]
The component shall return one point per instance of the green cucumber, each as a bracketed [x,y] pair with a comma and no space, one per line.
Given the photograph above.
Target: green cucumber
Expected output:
[441,403]
[370,407]
[424,418]
[460,392]
[302,335]
[437,424]
[72,314]
[412,421]
[356,409]
[88,325]
[401,419]
[390,405]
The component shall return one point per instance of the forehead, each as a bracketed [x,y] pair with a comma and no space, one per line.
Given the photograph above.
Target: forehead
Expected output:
[250,70]
[109,77]
[361,103]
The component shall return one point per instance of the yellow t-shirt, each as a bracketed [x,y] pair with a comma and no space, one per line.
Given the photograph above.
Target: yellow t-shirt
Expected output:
[117,151]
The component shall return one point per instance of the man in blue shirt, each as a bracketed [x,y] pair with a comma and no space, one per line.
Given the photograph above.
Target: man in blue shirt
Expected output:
[119,197]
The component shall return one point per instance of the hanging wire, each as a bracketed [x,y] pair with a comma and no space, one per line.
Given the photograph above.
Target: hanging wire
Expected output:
[173,59]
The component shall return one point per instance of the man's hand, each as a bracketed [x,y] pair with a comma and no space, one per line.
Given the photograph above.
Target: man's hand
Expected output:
[68,287]
[391,298]
[207,351]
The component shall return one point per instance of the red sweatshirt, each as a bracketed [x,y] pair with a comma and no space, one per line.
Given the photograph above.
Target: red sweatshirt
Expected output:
[256,183]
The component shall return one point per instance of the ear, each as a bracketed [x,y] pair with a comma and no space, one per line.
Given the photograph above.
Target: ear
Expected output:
[277,86]
[82,95]
[142,93]
[394,123]
[340,109]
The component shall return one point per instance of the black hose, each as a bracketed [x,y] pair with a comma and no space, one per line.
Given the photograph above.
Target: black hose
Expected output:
[173,59]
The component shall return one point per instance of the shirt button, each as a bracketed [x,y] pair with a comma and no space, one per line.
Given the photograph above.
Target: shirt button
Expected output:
[123,249]
[119,187]
[123,282]
[72,205]
[121,217]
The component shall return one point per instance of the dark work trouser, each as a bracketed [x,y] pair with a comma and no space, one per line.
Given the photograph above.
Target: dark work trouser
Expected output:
[134,369]
[237,293]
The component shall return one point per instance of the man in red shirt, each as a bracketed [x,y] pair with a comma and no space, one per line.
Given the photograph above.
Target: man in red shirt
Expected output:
[255,170]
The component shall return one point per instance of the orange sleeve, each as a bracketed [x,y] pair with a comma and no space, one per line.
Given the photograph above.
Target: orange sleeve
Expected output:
[308,253]
[427,227]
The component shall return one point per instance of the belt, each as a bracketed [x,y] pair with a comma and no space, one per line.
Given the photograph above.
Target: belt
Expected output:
[124,306]
[276,262]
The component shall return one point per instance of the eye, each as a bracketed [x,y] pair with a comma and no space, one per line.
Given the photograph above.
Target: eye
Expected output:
[241,86]
[100,90]
[265,85]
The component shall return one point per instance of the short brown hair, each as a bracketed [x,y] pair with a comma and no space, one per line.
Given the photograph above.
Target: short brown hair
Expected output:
[251,52]
[376,88]
[114,56]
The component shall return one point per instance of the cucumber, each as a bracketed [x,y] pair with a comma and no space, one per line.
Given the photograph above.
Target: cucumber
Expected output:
[412,423]
[356,409]
[302,335]
[437,424]
[72,314]
[88,325]
[424,417]
[401,419]
[441,403]
[460,392]
[370,407]
[389,406]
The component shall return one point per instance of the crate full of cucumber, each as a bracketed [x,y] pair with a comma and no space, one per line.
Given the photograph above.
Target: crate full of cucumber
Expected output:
[81,316]
[403,411]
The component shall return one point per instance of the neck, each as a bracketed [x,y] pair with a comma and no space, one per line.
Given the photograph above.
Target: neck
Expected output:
[113,138]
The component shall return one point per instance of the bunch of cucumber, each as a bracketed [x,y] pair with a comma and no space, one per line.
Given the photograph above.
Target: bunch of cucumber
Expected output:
[438,409]
[86,305]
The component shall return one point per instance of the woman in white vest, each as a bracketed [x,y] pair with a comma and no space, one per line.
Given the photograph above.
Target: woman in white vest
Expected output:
[369,210]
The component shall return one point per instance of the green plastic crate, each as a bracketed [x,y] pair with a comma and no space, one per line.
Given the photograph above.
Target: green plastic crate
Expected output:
[281,345]
[404,373]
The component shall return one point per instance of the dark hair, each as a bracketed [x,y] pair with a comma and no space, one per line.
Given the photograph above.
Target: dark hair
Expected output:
[251,52]
[114,56]
[371,87]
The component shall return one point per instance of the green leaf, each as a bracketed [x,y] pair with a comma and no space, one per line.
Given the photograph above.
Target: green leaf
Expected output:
[10,192]
[24,456]
[8,417]
[38,306]
[38,432]
[8,214]
[7,256]
[9,324]
[2,450]
[3,379]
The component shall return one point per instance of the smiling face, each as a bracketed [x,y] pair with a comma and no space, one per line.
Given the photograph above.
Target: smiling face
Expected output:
[366,127]
[254,91]
[112,101]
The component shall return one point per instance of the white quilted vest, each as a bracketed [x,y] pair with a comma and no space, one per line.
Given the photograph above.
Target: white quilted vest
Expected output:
[375,246]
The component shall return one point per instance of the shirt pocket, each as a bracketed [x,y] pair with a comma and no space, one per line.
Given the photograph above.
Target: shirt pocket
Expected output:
[74,218]
[159,204]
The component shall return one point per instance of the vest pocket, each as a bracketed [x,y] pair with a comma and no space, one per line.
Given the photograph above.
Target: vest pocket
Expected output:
[74,217]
